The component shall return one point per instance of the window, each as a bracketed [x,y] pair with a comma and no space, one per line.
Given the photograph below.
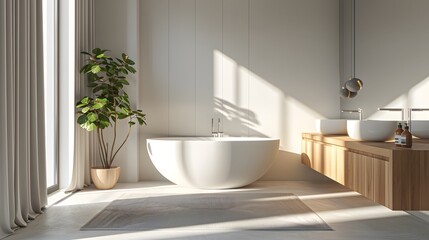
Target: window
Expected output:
[50,40]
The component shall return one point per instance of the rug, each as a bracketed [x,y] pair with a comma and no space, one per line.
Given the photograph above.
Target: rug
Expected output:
[209,211]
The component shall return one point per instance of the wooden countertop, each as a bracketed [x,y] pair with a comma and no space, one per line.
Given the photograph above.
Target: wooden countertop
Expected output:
[384,149]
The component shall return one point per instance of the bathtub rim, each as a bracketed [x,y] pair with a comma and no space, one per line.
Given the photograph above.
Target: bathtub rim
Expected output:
[214,139]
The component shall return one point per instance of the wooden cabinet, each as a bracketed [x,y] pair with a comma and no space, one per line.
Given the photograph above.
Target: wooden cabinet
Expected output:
[315,153]
[395,177]
[367,175]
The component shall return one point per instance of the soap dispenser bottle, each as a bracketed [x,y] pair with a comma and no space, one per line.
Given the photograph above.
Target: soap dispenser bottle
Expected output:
[406,137]
[398,134]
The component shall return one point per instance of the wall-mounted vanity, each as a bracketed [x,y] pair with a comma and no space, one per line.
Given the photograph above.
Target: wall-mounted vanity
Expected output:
[392,176]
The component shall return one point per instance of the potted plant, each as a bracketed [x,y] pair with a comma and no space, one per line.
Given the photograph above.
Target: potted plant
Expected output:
[107,105]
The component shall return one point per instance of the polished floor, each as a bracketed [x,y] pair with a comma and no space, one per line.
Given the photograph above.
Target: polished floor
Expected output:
[350,215]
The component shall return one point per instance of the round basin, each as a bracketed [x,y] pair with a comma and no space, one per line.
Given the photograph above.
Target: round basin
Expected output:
[420,128]
[371,130]
[331,126]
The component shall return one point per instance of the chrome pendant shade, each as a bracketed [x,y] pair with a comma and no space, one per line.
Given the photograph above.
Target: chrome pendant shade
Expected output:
[345,93]
[354,85]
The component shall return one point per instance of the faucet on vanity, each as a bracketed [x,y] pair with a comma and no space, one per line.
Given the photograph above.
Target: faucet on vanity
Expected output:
[359,110]
[219,131]
[410,110]
[395,110]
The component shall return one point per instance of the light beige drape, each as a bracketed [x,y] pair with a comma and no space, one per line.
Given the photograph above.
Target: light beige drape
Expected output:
[84,142]
[22,131]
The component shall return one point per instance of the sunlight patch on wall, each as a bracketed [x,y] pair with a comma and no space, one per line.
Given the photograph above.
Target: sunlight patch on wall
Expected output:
[415,97]
[266,102]
[298,118]
[251,106]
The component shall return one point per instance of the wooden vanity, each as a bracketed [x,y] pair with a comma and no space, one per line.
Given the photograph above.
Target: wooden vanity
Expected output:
[393,176]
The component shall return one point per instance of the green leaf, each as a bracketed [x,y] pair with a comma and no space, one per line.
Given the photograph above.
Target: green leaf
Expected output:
[86,53]
[103,117]
[131,123]
[85,100]
[92,117]
[96,51]
[131,62]
[98,106]
[131,69]
[95,69]
[125,82]
[81,105]
[89,126]
[125,111]
[85,109]
[101,100]
[99,103]
[141,121]
[119,60]
[104,124]
[100,55]
[82,119]
[122,116]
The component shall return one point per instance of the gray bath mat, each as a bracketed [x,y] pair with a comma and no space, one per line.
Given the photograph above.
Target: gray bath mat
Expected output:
[211,211]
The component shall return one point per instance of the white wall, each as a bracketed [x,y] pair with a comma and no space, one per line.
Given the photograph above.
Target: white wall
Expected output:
[392,52]
[266,67]
[117,29]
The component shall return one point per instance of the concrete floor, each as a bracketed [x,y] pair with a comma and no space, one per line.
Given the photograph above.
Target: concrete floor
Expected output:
[350,215]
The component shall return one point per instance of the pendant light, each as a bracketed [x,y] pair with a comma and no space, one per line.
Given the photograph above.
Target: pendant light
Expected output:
[354,84]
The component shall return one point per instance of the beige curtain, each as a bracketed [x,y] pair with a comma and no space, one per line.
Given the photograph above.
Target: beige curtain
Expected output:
[22,135]
[84,142]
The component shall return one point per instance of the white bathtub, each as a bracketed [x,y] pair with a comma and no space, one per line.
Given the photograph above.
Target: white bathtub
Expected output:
[212,163]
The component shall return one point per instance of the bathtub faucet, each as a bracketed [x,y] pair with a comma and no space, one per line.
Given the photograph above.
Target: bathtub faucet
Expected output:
[218,132]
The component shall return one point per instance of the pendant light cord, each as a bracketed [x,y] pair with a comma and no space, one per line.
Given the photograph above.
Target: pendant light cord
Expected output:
[354,38]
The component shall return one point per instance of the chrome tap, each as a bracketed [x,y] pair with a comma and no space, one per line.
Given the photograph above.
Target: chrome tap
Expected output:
[218,132]
[359,110]
[395,110]
[410,110]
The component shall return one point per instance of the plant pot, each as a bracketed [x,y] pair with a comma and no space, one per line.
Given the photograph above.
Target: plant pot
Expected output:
[105,178]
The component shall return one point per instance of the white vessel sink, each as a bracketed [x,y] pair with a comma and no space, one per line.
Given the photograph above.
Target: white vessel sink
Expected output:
[420,128]
[371,130]
[331,126]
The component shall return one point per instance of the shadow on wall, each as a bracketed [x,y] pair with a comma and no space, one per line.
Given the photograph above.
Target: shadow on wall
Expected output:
[236,115]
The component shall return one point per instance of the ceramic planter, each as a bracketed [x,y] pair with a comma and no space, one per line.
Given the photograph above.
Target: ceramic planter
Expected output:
[105,178]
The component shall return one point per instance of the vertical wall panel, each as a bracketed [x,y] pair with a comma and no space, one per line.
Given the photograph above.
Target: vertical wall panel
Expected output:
[153,87]
[294,80]
[294,62]
[121,35]
[208,43]
[235,66]
[182,67]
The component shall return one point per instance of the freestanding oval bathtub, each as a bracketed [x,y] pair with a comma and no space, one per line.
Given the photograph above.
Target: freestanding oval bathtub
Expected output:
[212,163]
